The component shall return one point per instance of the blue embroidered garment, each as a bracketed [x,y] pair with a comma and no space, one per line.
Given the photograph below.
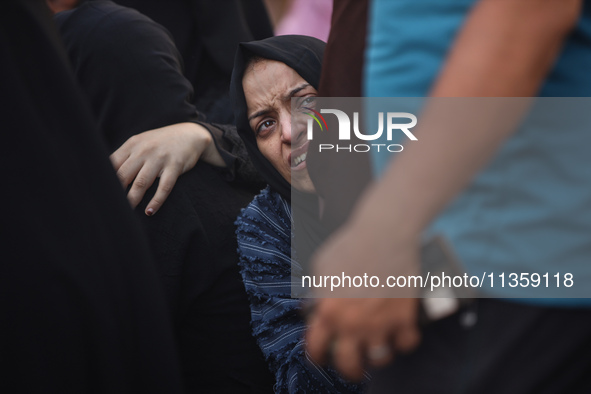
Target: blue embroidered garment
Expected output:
[264,245]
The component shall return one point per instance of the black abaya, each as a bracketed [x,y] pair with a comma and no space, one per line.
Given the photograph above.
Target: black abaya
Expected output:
[81,309]
[207,34]
[131,72]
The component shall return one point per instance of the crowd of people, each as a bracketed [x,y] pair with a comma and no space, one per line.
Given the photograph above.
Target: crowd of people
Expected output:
[195,113]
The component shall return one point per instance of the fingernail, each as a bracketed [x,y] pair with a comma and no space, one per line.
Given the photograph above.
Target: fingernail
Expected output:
[150,211]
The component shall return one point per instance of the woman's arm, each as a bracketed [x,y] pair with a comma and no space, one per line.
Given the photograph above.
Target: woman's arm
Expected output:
[170,151]
[167,153]
[132,74]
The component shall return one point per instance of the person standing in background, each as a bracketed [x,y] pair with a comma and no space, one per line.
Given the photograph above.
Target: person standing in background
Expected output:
[486,48]
[131,72]
[306,17]
[341,177]
[202,33]
[81,306]
[207,34]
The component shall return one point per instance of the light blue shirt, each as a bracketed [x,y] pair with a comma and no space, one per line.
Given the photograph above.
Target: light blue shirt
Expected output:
[529,210]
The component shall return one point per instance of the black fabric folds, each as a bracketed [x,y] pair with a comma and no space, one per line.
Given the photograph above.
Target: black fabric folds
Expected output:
[130,71]
[81,307]
[207,34]
[128,67]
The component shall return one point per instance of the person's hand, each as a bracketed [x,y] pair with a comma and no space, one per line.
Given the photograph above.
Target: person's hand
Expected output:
[355,332]
[360,332]
[167,153]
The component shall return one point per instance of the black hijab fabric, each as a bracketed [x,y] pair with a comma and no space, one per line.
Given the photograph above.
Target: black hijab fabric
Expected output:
[301,53]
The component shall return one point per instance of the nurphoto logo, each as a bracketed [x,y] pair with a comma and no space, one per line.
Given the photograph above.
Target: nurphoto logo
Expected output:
[344,134]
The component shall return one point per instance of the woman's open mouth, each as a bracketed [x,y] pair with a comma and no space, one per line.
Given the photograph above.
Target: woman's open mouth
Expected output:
[298,156]
[299,159]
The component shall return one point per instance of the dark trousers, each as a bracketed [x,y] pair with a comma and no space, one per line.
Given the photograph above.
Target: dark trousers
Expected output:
[497,346]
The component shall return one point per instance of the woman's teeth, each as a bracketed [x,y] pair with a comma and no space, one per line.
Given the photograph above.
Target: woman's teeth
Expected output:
[300,159]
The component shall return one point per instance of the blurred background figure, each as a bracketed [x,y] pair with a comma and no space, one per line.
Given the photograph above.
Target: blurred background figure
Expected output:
[206,33]
[82,310]
[450,183]
[341,177]
[304,17]
[61,5]
[276,10]
[131,72]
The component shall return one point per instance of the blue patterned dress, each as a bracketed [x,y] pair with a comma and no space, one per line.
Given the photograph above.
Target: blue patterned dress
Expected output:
[264,246]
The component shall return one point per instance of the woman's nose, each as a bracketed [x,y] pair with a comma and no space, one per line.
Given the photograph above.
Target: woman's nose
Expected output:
[286,131]
[292,134]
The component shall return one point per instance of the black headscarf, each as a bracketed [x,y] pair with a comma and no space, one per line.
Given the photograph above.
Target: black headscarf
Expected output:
[304,55]
[301,53]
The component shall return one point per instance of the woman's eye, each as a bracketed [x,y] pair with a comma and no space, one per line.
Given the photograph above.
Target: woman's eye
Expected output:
[308,102]
[265,126]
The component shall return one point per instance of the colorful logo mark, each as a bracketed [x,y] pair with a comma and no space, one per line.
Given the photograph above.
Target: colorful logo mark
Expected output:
[315,117]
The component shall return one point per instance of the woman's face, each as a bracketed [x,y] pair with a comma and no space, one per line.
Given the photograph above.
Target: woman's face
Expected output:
[269,87]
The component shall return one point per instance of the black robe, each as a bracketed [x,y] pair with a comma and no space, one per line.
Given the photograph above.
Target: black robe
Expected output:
[81,306]
[130,70]
[207,34]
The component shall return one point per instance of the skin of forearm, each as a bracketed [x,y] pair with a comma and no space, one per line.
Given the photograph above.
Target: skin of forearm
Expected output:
[505,49]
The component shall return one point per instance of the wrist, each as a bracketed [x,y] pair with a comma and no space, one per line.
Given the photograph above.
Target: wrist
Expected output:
[210,152]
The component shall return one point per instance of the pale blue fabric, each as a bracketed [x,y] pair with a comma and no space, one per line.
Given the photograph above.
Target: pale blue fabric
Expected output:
[530,209]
